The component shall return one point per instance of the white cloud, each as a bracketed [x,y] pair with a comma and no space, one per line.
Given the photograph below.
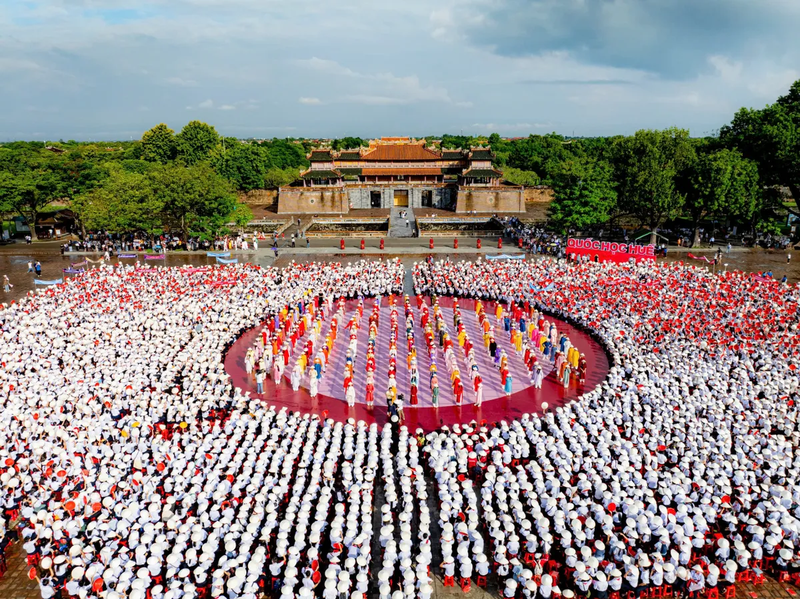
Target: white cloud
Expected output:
[331,67]
[8,64]
[393,68]
[728,70]
[509,127]
[374,100]
[261,129]
[769,81]
[410,89]
[380,89]
[442,23]
[181,82]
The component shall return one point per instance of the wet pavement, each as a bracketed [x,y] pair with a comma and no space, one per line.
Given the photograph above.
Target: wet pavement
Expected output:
[745,259]
[14,258]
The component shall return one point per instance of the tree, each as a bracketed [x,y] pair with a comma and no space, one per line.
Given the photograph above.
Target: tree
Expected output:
[280,153]
[646,167]
[136,166]
[28,183]
[464,142]
[721,183]
[244,165]
[500,147]
[520,177]
[79,172]
[347,143]
[195,142]
[125,202]
[158,144]
[584,193]
[536,152]
[771,137]
[241,215]
[194,197]
[276,177]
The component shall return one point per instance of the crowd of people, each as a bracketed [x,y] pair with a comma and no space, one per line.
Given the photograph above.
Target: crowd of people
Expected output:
[130,467]
[300,344]
[98,242]
[533,238]
[291,341]
[679,471]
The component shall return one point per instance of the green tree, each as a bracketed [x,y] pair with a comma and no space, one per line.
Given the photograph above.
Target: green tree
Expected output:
[159,144]
[520,177]
[646,168]
[195,142]
[137,166]
[241,215]
[721,183]
[537,152]
[347,143]
[451,142]
[79,172]
[584,193]
[276,177]
[771,137]
[30,184]
[244,165]
[500,147]
[194,197]
[283,154]
[125,202]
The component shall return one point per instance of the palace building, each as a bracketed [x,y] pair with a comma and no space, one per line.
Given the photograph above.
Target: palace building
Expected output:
[400,171]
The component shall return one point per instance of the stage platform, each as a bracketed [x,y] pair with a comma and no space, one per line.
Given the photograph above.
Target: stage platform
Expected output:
[330,400]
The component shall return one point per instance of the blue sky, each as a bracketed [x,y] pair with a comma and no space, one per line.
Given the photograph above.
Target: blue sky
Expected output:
[110,69]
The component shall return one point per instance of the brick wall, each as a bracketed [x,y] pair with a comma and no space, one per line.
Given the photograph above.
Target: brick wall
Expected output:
[299,200]
[535,195]
[492,200]
[259,197]
[359,197]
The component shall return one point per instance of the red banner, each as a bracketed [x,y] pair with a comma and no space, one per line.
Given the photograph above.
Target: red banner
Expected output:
[693,257]
[603,251]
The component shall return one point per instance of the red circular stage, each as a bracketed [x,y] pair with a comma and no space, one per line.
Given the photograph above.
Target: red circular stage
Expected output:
[330,400]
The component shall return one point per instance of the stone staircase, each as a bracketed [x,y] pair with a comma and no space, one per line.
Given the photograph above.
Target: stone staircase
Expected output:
[397,224]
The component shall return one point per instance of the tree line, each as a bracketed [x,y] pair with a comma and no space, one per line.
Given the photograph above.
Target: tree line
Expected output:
[740,176]
[188,182]
[651,177]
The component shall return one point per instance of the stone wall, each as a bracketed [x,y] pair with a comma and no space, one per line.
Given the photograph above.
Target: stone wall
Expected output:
[492,200]
[535,195]
[359,197]
[441,197]
[338,200]
[259,197]
[312,200]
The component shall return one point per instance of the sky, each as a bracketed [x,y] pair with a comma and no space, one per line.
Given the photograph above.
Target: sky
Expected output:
[110,69]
